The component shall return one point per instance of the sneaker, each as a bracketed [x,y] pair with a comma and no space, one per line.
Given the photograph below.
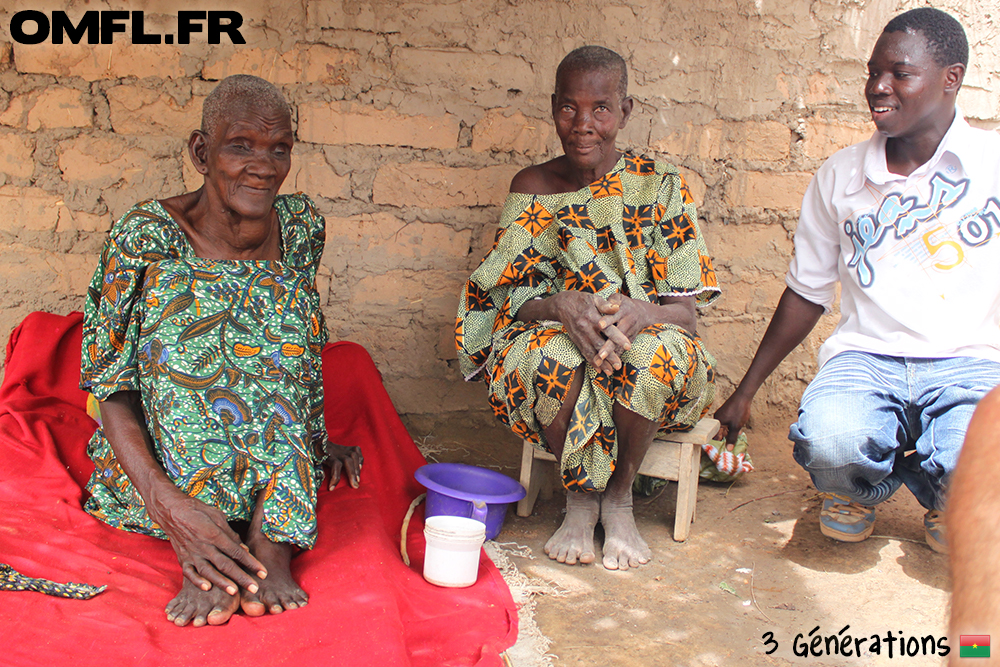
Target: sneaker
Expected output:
[934,531]
[844,520]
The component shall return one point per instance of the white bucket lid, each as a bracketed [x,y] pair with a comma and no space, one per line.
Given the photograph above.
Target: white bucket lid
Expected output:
[454,527]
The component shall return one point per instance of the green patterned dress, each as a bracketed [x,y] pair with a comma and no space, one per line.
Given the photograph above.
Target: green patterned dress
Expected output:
[226,357]
[634,231]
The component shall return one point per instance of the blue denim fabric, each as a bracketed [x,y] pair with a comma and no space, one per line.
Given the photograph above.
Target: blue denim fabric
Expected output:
[870,423]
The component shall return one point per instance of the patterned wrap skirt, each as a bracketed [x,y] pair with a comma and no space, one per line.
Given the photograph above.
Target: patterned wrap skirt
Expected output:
[666,377]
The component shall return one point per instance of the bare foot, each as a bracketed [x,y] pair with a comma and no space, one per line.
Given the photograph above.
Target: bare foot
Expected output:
[574,541]
[278,592]
[193,605]
[623,546]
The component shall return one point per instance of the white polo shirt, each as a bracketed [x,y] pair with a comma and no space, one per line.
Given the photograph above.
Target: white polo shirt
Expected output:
[918,256]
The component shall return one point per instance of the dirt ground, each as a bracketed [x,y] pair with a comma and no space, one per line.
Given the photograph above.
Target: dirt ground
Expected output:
[754,571]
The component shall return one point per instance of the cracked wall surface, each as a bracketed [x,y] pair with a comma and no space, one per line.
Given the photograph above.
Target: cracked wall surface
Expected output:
[411,118]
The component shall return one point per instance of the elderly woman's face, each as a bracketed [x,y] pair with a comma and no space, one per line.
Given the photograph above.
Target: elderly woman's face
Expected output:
[588,112]
[248,159]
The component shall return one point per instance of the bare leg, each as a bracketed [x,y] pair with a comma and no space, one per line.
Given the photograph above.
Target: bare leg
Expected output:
[972,532]
[193,605]
[623,546]
[278,592]
[574,540]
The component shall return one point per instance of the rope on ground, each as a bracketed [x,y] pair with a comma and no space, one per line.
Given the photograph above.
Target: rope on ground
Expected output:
[780,493]
[406,524]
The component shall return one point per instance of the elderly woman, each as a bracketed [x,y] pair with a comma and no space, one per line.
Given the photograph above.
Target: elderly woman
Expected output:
[582,316]
[202,341]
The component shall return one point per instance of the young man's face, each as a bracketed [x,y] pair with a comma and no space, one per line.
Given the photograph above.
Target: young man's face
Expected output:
[907,89]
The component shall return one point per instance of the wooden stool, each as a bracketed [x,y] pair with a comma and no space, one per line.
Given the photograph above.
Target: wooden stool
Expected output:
[675,457]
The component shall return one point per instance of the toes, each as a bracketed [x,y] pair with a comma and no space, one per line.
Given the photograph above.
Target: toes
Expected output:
[269,601]
[198,608]
[274,597]
[253,608]
[623,558]
[293,599]
[289,599]
[219,616]
[275,601]
[182,618]
[551,547]
[179,612]
[251,604]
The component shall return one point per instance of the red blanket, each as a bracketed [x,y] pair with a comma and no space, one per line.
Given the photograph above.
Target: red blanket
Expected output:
[365,606]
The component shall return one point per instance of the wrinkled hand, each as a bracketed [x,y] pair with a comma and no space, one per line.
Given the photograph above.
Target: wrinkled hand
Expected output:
[624,324]
[630,317]
[208,550]
[734,414]
[582,314]
[341,458]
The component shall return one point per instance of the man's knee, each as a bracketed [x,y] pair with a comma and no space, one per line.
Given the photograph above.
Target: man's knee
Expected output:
[828,439]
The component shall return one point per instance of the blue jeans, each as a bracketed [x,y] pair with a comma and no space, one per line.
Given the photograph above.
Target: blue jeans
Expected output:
[869,423]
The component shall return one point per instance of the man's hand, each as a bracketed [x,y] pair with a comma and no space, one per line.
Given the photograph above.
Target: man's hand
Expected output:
[734,414]
[208,550]
[792,321]
[348,459]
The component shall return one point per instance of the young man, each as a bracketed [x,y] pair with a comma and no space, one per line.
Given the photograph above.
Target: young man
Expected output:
[908,223]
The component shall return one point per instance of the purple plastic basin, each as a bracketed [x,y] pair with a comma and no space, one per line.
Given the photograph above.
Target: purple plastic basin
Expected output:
[454,488]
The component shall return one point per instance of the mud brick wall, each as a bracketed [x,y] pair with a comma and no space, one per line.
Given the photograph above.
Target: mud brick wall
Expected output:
[412,116]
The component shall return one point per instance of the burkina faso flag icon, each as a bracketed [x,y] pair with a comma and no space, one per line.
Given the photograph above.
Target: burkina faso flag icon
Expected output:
[974,646]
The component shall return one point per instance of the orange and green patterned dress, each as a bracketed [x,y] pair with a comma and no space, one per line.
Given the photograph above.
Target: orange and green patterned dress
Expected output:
[634,231]
[226,357]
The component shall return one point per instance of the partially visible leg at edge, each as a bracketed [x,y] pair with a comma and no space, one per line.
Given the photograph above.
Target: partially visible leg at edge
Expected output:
[973,531]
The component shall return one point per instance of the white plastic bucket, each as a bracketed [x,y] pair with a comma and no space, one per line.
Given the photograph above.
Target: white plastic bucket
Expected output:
[452,555]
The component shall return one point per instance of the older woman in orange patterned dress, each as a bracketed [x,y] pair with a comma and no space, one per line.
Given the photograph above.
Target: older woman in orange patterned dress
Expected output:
[582,317]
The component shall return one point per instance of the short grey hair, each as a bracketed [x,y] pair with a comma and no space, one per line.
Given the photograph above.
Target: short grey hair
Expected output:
[594,59]
[240,90]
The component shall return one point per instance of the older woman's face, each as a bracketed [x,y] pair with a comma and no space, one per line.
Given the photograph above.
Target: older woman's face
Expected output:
[248,158]
[588,112]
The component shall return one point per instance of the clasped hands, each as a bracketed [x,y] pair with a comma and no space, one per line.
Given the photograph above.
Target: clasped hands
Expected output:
[603,329]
